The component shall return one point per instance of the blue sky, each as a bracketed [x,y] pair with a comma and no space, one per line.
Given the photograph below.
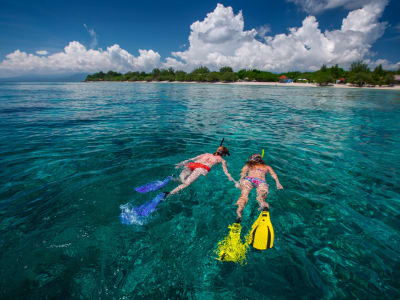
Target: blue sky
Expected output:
[164,27]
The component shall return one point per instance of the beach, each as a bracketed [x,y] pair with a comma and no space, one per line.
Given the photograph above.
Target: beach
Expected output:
[297,84]
[280,84]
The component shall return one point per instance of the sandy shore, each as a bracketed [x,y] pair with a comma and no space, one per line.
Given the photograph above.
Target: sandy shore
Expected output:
[396,87]
[294,84]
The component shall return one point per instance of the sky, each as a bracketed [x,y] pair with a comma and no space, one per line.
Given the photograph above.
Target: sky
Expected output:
[55,37]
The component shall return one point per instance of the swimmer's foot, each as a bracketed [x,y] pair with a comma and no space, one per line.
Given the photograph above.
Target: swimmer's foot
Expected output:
[176,179]
[264,206]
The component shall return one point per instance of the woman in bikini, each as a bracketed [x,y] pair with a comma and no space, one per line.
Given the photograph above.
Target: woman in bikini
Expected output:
[255,169]
[201,165]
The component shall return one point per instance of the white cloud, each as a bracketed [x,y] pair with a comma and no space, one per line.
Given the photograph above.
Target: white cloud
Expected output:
[384,62]
[42,52]
[220,40]
[76,58]
[263,30]
[93,35]
[318,6]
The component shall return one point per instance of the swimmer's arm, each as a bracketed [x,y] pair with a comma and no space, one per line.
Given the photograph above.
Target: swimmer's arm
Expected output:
[182,163]
[275,177]
[224,167]
[245,169]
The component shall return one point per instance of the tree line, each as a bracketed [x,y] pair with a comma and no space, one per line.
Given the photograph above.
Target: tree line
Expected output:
[359,74]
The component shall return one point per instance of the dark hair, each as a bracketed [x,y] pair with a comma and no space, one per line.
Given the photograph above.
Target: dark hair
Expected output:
[254,159]
[222,151]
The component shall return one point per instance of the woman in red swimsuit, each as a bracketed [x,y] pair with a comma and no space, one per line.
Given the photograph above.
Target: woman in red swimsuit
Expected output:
[201,165]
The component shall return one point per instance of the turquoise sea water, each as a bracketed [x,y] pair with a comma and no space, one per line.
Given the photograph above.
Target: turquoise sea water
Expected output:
[71,154]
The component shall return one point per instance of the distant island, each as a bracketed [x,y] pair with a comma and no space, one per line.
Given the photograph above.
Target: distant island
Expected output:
[359,75]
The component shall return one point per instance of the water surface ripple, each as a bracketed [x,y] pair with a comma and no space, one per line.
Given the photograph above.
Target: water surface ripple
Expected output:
[71,154]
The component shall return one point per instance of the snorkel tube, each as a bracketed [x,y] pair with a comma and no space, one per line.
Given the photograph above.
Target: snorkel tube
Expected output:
[262,154]
[222,150]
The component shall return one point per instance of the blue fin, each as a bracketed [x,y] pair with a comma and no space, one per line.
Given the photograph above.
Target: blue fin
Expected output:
[147,208]
[130,215]
[153,186]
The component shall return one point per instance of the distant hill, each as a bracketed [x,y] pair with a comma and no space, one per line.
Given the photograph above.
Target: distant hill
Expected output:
[47,78]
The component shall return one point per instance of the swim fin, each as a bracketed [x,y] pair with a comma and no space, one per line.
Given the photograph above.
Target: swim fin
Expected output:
[261,235]
[153,186]
[231,248]
[130,215]
[150,206]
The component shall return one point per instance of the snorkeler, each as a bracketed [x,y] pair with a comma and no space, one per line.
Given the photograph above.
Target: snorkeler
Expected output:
[201,165]
[255,169]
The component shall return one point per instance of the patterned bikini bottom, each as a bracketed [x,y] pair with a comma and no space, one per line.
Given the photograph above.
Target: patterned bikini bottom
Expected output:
[255,181]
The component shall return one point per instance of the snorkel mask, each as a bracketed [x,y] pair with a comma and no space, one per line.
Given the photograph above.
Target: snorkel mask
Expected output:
[257,158]
[222,150]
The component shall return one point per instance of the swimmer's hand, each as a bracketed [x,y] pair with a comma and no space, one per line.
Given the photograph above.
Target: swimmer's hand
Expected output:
[279,186]
[237,184]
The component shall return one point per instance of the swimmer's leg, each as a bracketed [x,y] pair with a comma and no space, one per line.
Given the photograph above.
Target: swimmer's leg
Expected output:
[246,187]
[185,174]
[262,194]
[192,177]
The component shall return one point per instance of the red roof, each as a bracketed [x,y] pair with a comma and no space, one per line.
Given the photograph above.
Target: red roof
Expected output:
[341,79]
[282,77]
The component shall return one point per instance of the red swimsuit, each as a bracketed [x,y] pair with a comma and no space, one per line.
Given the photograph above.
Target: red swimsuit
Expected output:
[194,165]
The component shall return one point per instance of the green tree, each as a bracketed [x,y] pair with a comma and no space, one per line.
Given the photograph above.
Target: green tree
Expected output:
[266,77]
[200,70]
[225,69]
[112,76]
[242,74]
[164,75]
[388,78]
[323,78]
[180,75]
[131,76]
[359,78]
[359,67]
[376,78]
[164,72]
[379,71]
[101,75]
[171,71]
[213,77]
[228,76]
[336,72]
[308,76]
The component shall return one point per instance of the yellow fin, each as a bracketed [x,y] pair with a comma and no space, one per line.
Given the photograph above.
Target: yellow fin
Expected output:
[262,234]
[231,248]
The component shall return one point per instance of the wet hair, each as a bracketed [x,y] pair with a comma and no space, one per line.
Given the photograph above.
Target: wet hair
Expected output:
[222,151]
[254,159]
